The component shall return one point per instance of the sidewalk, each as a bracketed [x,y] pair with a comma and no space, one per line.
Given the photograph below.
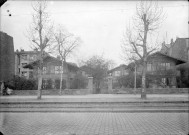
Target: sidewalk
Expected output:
[93,98]
[95,103]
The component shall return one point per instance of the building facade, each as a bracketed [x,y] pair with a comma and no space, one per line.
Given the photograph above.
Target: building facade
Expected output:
[179,49]
[118,71]
[23,58]
[117,76]
[52,70]
[7,60]
[161,70]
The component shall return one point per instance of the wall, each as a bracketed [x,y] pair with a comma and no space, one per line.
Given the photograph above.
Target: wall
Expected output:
[153,91]
[52,92]
[31,56]
[114,91]
[7,60]
[179,49]
[158,58]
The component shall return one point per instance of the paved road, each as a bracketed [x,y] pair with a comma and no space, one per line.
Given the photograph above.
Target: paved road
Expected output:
[94,123]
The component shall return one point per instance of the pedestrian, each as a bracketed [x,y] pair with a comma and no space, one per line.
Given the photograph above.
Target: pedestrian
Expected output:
[9,91]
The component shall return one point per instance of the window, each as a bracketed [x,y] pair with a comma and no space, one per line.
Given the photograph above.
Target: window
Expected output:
[33,57]
[24,57]
[163,80]
[167,66]
[162,66]
[58,69]
[44,83]
[149,67]
[117,73]
[154,67]
[83,73]
[52,69]
[44,70]
[125,72]
[24,74]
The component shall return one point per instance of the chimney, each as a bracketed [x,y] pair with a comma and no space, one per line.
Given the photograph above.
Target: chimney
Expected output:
[171,42]
[163,44]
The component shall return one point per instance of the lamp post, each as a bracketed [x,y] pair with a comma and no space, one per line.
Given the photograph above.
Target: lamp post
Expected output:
[135,80]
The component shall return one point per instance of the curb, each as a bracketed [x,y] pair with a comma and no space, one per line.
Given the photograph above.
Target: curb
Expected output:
[87,102]
[96,111]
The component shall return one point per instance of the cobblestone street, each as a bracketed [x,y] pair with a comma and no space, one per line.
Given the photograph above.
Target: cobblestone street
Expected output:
[94,123]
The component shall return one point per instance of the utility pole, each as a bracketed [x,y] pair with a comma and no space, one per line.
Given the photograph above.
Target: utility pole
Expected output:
[61,76]
[135,80]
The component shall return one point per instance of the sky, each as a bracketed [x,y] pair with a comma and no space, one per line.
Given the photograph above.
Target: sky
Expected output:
[99,24]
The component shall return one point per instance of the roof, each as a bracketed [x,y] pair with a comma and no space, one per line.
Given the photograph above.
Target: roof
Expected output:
[173,58]
[50,58]
[116,68]
[86,69]
[177,49]
[27,52]
[30,52]
[179,61]
[183,66]
[5,34]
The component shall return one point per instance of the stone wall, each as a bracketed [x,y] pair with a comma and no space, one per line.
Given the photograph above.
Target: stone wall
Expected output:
[153,91]
[114,91]
[7,60]
[52,92]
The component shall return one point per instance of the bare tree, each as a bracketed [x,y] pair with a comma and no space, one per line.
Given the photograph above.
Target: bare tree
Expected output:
[65,45]
[136,42]
[40,35]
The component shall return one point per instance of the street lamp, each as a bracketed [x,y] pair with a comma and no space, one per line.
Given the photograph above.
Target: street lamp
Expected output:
[135,80]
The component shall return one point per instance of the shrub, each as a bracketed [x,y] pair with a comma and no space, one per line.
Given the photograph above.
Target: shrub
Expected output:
[127,81]
[21,83]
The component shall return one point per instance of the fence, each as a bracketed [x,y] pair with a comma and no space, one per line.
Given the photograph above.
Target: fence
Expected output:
[52,92]
[152,91]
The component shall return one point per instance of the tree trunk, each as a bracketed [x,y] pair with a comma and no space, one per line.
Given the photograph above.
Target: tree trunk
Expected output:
[40,78]
[41,56]
[143,91]
[39,87]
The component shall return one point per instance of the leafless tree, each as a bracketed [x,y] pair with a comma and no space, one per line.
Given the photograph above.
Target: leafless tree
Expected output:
[136,41]
[65,45]
[40,35]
